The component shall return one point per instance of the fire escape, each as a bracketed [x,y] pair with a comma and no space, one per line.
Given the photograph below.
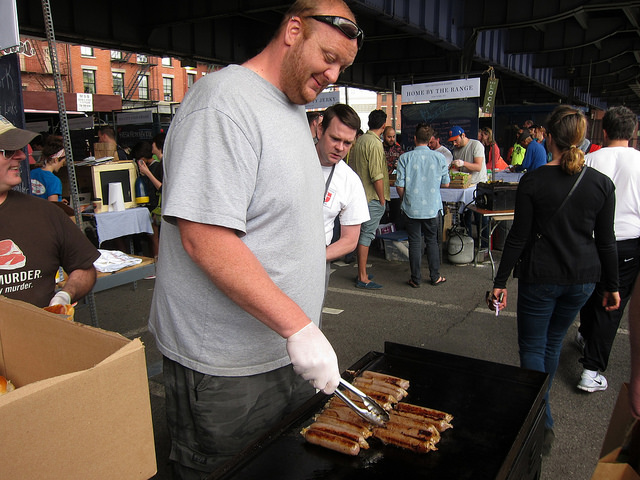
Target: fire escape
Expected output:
[44,76]
[132,84]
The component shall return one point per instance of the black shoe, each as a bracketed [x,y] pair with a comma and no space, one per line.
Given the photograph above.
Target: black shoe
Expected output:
[549,438]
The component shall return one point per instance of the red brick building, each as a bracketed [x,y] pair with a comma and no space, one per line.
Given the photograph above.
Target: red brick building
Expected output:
[115,79]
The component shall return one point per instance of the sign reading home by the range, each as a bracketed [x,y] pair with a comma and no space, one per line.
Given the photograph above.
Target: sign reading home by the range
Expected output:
[451,89]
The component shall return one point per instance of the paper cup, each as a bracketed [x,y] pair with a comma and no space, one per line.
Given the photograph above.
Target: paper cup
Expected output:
[116,197]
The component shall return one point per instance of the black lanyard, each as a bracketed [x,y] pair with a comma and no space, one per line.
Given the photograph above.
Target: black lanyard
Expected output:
[328,182]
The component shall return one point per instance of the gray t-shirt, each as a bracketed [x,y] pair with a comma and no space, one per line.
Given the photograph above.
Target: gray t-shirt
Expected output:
[472,149]
[238,154]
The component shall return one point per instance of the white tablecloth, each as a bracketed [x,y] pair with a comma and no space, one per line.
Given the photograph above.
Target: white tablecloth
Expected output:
[458,195]
[127,222]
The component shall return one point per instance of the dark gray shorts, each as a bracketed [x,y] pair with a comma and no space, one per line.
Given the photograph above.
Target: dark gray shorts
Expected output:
[211,419]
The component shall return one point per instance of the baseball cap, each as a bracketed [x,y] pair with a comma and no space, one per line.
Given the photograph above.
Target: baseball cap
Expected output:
[13,138]
[526,133]
[455,132]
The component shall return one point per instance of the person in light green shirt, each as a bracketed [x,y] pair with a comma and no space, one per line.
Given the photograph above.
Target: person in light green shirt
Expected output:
[368,160]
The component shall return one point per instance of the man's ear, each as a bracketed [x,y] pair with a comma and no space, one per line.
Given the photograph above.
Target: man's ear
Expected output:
[292,30]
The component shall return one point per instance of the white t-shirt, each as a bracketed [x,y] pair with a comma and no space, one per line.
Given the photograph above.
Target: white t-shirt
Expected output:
[448,156]
[345,197]
[226,163]
[622,166]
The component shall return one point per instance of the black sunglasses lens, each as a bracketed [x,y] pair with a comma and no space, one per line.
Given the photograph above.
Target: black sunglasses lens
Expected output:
[348,28]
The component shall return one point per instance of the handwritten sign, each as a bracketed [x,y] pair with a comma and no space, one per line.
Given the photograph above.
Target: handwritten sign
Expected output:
[11,106]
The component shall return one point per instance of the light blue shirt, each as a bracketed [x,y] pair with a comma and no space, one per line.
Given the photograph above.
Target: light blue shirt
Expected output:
[421,172]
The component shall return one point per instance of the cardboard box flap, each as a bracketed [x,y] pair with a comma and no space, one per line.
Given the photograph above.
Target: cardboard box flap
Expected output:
[29,389]
[63,347]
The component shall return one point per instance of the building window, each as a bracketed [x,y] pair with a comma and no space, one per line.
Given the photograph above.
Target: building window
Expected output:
[116,55]
[143,87]
[142,58]
[191,79]
[167,88]
[384,108]
[89,81]
[86,51]
[118,83]
[166,61]
[383,98]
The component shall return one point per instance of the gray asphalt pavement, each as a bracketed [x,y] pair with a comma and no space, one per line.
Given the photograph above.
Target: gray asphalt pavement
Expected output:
[450,318]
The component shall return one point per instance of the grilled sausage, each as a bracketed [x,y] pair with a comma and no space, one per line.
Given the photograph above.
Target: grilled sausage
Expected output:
[400,382]
[340,431]
[332,442]
[392,437]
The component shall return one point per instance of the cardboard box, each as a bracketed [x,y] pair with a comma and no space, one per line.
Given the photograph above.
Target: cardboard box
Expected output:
[81,408]
[608,467]
[447,223]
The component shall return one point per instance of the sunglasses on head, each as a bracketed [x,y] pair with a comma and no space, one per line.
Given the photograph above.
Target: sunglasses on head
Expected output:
[8,154]
[346,26]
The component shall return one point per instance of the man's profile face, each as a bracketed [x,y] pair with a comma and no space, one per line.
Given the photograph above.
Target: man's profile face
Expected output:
[10,169]
[434,144]
[459,141]
[312,63]
[334,142]
[390,137]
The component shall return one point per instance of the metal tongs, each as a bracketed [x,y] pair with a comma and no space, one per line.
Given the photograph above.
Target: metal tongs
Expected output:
[374,413]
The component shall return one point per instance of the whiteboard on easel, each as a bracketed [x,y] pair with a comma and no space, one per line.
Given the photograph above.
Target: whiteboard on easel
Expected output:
[9,34]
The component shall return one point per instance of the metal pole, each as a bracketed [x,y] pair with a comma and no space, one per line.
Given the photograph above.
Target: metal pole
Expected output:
[393,105]
[64,130]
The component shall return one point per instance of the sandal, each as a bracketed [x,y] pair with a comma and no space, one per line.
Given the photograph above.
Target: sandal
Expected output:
[413,284]
[439,281]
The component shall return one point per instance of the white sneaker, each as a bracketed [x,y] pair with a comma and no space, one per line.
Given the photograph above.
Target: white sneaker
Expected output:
[592,381]
[579,341]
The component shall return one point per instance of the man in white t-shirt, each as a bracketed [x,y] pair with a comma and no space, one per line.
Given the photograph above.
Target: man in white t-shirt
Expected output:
[621,163]
[344,196]
[434,144]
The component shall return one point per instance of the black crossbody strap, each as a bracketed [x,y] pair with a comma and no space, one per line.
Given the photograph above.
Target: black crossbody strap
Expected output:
[575,184]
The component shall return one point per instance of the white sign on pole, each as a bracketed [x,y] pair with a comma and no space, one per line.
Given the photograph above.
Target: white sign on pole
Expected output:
[9,33]
[324,100]
[84,102]
[451,89]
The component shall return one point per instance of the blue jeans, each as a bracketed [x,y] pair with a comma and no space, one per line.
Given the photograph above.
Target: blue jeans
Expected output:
[545,313]
[416,228]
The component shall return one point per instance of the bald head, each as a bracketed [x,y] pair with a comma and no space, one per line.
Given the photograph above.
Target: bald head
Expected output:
[389,136]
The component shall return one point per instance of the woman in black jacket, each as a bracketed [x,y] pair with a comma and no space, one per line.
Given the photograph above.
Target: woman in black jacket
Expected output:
[559,248]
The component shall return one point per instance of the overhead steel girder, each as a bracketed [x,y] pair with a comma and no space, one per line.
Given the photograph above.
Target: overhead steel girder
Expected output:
[565,36]
[605,52]
[507,14]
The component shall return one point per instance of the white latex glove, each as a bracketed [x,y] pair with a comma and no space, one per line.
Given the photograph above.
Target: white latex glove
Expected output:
[60,298]
[458,163]
[313,358]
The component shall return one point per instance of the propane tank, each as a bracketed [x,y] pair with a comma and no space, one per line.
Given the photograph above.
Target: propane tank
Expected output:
[460,247]
[142,196]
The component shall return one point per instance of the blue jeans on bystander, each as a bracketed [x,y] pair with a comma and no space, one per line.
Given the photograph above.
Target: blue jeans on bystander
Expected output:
[545,313]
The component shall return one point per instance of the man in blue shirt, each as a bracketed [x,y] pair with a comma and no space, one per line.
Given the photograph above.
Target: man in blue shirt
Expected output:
[420,174]
[536,155]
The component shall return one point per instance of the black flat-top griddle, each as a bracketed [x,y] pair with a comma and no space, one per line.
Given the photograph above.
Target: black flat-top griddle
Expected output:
[497,430]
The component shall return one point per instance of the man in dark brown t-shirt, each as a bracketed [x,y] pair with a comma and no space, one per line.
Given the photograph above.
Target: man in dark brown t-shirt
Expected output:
[36,237]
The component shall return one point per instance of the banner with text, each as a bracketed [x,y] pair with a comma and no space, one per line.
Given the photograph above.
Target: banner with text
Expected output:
[324,100]
[448,90]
